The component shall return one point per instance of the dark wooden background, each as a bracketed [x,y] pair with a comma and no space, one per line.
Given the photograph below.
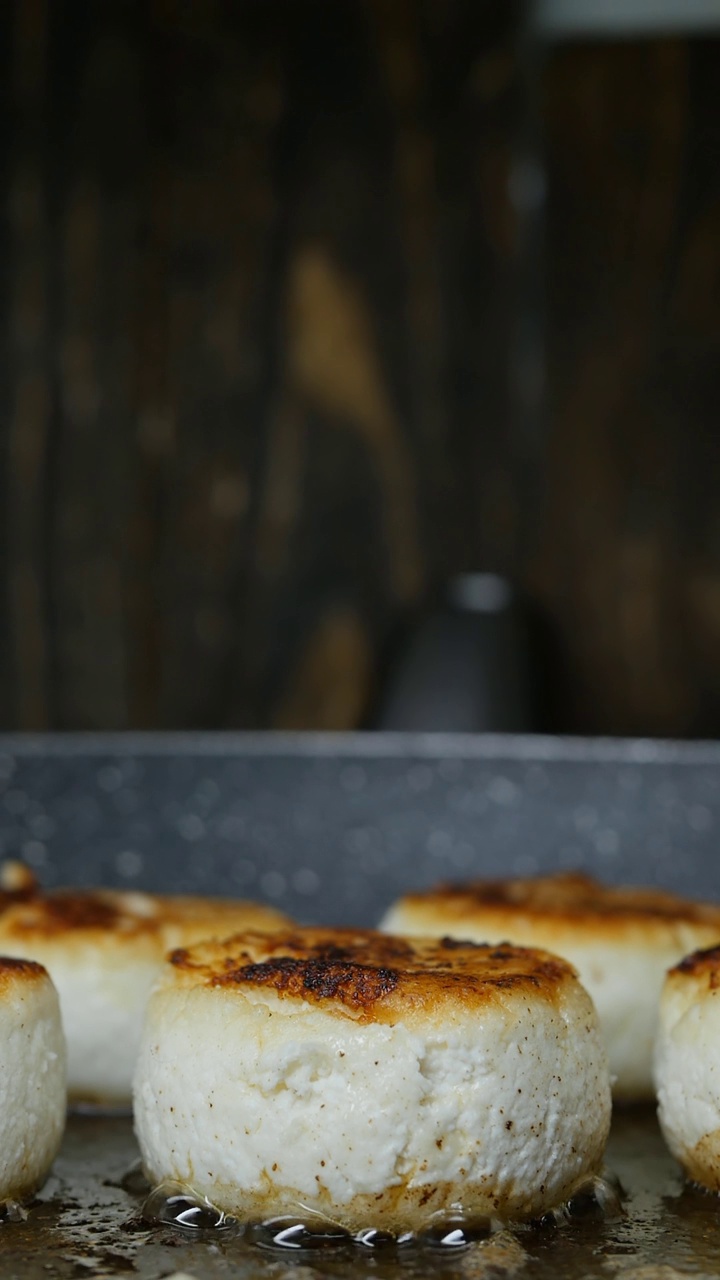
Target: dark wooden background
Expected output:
[266,382]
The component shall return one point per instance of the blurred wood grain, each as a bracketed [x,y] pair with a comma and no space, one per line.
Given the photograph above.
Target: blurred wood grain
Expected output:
[630,523]
[27,391]
[262,300]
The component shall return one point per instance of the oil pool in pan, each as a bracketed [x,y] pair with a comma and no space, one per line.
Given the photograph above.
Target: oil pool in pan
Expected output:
[87,1222]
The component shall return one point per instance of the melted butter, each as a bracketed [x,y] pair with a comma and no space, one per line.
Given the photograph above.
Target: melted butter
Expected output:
[173,1204]
[176,1205]
[455,1230]
[598,1199]
[374,1238]
[290,1232]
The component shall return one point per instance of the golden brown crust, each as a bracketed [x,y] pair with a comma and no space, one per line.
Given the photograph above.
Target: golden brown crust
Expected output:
[13,971]
[704,964]
[371,975]
[57,913]
[105,914]
[570,901]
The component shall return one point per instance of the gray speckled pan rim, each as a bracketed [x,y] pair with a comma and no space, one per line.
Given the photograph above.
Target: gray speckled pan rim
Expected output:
[490,746]
[331,828]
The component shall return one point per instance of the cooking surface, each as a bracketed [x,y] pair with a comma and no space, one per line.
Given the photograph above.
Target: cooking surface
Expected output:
[86,1224]
[331,830]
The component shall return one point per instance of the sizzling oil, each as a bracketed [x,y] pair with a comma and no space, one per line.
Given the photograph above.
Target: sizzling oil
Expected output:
[178,1206]
[85,1223]
[172,1204]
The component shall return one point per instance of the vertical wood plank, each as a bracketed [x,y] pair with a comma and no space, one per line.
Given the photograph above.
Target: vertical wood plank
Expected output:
[96,135]
[627,199]
[28,356]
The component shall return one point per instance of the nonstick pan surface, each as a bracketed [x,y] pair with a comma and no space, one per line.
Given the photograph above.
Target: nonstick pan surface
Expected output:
[331,829]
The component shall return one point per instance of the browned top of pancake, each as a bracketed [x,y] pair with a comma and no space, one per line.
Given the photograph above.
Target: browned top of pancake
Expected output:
[13,971]
[59,912]
[372,976]
[106,916]
[566,900]
[700,965]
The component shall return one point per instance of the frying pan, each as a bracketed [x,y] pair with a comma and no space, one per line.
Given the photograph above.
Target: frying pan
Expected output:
[331,829]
